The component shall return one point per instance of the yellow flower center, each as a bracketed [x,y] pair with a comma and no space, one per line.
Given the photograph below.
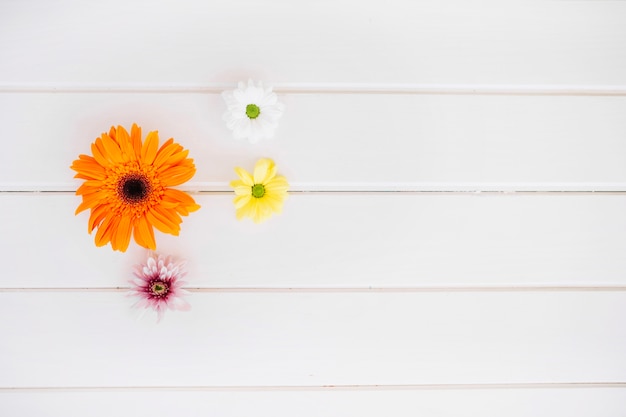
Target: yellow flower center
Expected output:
[159,288]
[258,190]
[252,111]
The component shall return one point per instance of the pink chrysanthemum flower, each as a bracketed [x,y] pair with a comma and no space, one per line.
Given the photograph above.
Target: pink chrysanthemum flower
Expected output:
[158,285]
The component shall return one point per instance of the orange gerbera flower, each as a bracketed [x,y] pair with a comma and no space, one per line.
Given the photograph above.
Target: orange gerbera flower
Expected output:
[126,187]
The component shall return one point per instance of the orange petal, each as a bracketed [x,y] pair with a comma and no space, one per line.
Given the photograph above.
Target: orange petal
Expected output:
[111,132]
[88,169]
[123,140]
[97,215]
[105,230]
[161,222]
[150,147]
[86,189]
[98,155]
[89,201]
[112,150]
[177,175]
[137,235]
[182,210]
[168,215]
[194,207]
[167,150]
[135,136]
[144,235]
[121,235]
[174,159]
[173,194]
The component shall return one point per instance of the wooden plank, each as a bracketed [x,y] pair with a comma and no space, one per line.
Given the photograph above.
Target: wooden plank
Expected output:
[337,241]
[381,142]
[487,403]
[401,41]
[91,340]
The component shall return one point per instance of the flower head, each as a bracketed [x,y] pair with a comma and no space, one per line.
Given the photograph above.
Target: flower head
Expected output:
[158,285]
[127,190]
[253,111]
[261,194]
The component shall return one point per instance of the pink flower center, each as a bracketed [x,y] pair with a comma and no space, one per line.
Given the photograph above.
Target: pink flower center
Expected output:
[159,289]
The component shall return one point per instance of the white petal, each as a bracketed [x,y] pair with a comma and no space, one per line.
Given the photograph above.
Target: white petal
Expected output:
[151,262]
[269,100]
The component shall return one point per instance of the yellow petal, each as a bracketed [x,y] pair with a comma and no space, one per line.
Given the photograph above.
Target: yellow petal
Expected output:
[241,213]
[242,200]
[277,184]
[246,210]
[262,169]
[241,187]
[245,176]
[274,202]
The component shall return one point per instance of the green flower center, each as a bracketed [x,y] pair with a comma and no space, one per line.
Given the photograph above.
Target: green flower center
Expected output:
[159,288]
[258,190]
[252,111]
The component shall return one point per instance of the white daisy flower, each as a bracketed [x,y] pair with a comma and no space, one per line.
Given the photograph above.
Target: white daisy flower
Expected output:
[253,111]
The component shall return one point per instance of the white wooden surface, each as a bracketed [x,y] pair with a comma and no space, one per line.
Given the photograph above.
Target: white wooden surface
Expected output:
[453,245]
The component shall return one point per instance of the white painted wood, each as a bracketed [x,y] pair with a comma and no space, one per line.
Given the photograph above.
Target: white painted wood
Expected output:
[337,241]
[399,403]
[328,88]
[347,141]
[479,305]
[78,339]
[403,41]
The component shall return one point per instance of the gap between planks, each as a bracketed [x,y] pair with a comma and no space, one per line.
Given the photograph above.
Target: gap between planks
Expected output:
[327,88]
[352,187]
[405,387]
[518,288]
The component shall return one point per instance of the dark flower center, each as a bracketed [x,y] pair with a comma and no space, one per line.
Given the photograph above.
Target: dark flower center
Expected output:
[133,188]
[159,289]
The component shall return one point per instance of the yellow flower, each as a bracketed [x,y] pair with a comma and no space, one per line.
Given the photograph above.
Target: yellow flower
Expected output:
[127,190]
[261,194]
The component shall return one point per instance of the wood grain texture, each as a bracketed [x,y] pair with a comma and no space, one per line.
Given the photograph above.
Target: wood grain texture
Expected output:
[564,42]
[69,339]
[337,241]
[335,140]
[487,403]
